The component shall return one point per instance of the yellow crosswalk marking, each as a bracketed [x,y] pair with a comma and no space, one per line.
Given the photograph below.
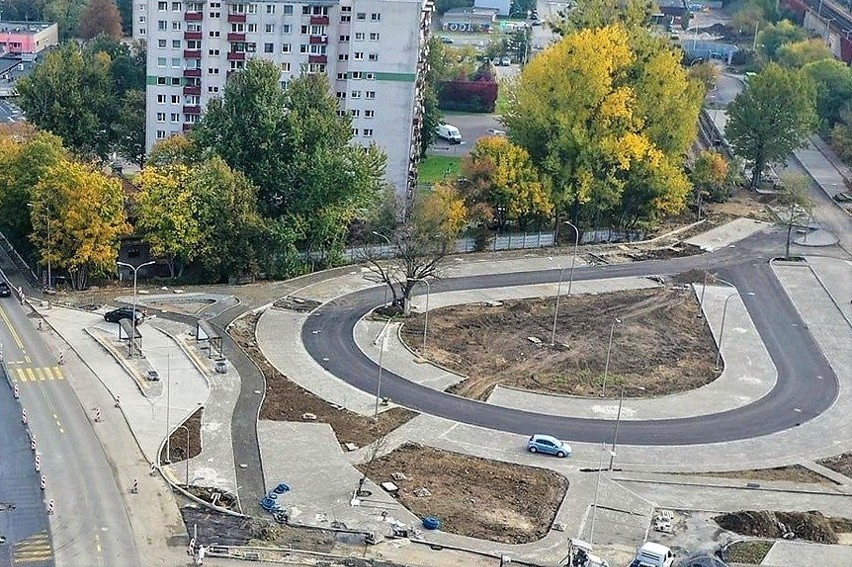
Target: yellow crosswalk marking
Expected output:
[22,376]
[34,549]
[56,372]
[38,374]
[31,375]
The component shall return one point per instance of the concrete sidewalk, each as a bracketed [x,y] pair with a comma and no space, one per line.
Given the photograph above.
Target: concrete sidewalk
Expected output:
[727,234]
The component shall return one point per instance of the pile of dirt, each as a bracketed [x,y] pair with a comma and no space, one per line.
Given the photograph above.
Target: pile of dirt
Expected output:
[790,473]
[287,401]
[221,498]
[812,526]
[840,464]
[660,344]
[178,440]
[472,496]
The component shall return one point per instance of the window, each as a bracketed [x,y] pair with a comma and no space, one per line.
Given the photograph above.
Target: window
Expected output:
[367,132]
[346,9]
[344,19]
[161,43]
[343,57]
[285,67]
[251,47]
[288,10]
[141,19]
[306,10]
[317,30]
[161,99]
[213,52]
[269,28]
[369,113]
[374,36]
[340,94]
[175,81]
[174,117]
[252,9]
[303,48]
[162,6]
[344,38]
[318,49]
[303,30]
[373,57]
[213,33]
[375,17]
[175,99]
[176,26]
[270,8]
[358,56]
[355,113]
[268,48]
[176,7]
[370,76]
[193,44]
[355,94]
[341,76]
[319,11]
[162,25]
[161,61]
[251,28]
[213,71]
[161,81]
[215,14]
[361,16]
[356,75]
[176,62]
[370,95]
[161,134]
[287,28]
[359,36]
[354,131]
[142,31]
[175,44]
[286,48]
[212,89]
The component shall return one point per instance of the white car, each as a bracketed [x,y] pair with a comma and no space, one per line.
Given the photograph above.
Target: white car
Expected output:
[506,61]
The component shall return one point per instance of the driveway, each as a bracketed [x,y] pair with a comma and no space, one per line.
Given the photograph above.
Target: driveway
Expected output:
[471,126]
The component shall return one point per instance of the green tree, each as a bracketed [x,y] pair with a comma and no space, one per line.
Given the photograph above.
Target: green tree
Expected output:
[71,96]
[710,176]
[66,13]
[833,82]
[89,217]
[125,8]
[772,37]
[800,53]
[175,150]
[796,202]
[773,115]
[129,127]
[100,17]
[595,14]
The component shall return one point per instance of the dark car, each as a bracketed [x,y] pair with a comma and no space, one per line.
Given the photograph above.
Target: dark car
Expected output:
[116,315]
[5,291]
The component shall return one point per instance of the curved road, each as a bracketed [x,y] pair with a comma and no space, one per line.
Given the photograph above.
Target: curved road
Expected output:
[798,395]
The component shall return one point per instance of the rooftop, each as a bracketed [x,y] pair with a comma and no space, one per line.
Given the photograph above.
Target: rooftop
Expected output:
[24,27]
[471,11]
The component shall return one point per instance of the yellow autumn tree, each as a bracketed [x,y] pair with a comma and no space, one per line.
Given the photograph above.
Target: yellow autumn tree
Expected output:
[502,184]
[86,219]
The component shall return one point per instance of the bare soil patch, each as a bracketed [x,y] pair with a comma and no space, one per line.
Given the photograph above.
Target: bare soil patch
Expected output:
[812,526]
[840,464]
[472,496]
[792,473]
[287,401]
[750,552]
[178,440]
[661,344]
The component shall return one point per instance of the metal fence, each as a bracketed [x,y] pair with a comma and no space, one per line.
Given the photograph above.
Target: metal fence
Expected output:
[512,241]
[599,235]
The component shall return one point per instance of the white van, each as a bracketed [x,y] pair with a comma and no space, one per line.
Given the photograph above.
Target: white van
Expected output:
[653,555]
[449,133]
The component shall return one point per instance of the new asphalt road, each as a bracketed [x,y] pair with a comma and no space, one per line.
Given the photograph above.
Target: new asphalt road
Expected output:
[798,395]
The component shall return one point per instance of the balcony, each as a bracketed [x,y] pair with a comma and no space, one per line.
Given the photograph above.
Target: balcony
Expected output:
[236,56]
[192,90]
[193,16]
[317,59]
[192,72]
[192,110]
[197,35]
[236,37]
[236,18]
[192,54]
[319,20]
[187,127]
[320,39]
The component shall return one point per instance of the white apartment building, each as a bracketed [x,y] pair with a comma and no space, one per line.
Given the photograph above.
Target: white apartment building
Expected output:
[373,51]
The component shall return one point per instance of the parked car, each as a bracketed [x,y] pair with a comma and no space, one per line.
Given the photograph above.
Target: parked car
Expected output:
[540,443]
[449,133]
[117,315]
[447,40]
[5,290]
[653,555]
[506,61]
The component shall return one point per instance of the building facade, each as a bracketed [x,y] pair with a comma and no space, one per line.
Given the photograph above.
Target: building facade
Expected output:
[27,39]
[373,52]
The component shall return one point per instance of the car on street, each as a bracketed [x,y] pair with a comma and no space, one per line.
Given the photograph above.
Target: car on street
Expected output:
[540,443]
[5,290]
[117,315]
[447,40]
[506,61]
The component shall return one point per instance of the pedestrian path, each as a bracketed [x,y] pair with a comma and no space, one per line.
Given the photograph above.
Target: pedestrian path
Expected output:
[727,234]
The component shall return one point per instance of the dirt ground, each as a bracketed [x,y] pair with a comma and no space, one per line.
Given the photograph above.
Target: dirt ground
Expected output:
[471,496]
[840,464]
[177,440]
[661,344]
[811,526]
[287,401]
[750,552]
[793,473]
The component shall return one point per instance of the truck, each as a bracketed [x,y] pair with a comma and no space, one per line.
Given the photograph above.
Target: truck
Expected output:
[653,555]
[449,133]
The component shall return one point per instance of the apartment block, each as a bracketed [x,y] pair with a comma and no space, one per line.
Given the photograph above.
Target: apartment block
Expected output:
[373,52]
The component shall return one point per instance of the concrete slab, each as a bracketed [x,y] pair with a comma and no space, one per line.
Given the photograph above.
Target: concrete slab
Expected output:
[727,234]
[785,553]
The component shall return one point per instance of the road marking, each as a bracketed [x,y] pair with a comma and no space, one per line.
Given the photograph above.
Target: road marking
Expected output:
[34,549]
[38,374]
[11,329]
[30,375]
[27,358]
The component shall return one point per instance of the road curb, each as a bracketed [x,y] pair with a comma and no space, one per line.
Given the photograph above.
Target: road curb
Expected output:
[757,488]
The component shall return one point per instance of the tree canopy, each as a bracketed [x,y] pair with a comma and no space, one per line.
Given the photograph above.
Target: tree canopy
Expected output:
[100,17]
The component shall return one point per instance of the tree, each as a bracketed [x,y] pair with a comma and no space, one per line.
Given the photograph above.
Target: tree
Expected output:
[706,73]
[773,36]
[710,175]
[800,53]
[100,17]
[596,14]
[174,150]
[773,115]
[420,246]
[71,96]
[66,13]
[125,8]
[501,183]
[833,82]
[168,214]
[89,217]
[129,127]
[797,204]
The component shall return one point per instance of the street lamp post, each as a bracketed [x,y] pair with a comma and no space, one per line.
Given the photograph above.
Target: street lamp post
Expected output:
[383,339]
[617,423]
[426,320]
[574,257]
[556,309]
[722,329]
[595,502]
[379,234]
[133,318]
[608,352]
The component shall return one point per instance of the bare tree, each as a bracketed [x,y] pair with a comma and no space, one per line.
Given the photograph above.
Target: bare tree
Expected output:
[797,202]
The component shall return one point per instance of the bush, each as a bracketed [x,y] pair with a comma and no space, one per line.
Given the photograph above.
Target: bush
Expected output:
[468,96]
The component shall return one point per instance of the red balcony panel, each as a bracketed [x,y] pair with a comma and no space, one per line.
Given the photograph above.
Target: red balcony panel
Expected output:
[193,16]
[191,90]
[236,56]
[236,37]
[192,110]
[321,39]
[317,59]
[319,20]
[192,72]
[192,35]
[236,18]
[187,127]
[192,54]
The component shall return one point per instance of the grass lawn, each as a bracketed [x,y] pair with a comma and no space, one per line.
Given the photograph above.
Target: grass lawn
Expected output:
[434,168]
